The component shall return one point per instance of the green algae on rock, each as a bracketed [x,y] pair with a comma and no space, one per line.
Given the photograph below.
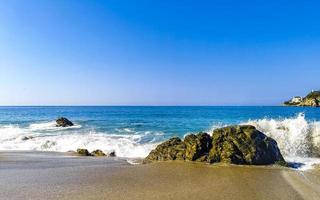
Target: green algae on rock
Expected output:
[242,144]
[197,146]
[98,152]
[83,152]
[173,149]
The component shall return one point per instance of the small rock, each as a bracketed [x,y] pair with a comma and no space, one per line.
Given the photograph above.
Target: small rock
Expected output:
[112,154]
[98,152]
[26,138]
[83,152]
[63,122]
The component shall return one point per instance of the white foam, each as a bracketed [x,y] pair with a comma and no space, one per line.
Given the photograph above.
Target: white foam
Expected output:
[47,126]
[303,163]
[295,137]
[38,137]
[8,132]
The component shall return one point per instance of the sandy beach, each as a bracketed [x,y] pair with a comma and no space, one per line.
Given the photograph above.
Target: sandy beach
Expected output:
[159,100]
[49,175]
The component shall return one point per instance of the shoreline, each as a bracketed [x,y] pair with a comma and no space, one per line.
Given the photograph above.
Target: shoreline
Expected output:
[54,175]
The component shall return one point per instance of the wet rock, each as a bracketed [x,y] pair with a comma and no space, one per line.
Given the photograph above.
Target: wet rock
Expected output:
[112,154]
[243,145]
[233,144]
[173,149]
[26,138]
[98,152]
[84,152]
[63,122]
[197,146]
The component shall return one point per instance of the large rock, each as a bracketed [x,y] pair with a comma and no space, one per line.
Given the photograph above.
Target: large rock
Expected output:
[63,122]
[312,99]
[233,144]
[197,146]
[243,145]
[173,149]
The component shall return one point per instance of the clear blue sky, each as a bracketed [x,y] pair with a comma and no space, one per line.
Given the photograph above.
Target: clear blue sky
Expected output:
[76,52]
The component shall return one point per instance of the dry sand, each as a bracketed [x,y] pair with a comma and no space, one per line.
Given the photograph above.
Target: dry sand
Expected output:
[30,175]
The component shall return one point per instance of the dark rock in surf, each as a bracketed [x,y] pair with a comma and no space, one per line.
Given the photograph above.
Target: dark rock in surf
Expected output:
[112,154]
[233,144]
[26,138]
[243,145]
[84,152]
[63,122]
[98,152]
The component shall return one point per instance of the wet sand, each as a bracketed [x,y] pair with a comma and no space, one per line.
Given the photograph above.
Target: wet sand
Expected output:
[30,175]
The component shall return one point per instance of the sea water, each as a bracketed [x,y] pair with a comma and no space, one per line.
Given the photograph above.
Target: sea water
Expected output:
[132,132]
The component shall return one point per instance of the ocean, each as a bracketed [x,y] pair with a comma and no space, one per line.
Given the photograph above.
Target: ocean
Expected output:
[133,131]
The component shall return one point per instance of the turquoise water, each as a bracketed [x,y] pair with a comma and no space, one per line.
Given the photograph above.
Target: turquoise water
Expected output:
[169,120]
[134,131]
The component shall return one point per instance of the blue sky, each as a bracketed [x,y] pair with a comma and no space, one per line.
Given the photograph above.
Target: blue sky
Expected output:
[80,52]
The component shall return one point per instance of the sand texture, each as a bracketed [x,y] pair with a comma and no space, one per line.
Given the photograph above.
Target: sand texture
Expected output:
[30,175]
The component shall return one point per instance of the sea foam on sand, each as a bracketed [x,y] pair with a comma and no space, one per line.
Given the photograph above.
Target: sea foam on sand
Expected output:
[295,137]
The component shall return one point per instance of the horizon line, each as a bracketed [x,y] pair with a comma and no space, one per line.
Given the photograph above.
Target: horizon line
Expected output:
[130,105]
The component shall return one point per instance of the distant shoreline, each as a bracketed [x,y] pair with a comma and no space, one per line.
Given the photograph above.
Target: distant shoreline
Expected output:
[34,106]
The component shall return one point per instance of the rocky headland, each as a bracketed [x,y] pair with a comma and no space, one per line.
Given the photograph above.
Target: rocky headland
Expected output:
[312,99]
[241,144]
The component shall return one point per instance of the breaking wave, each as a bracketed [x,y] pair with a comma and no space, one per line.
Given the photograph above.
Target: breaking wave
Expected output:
[297,138]
[47,137]
[47,126]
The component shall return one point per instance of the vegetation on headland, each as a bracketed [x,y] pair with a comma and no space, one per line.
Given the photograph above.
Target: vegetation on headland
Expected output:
[312,99]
